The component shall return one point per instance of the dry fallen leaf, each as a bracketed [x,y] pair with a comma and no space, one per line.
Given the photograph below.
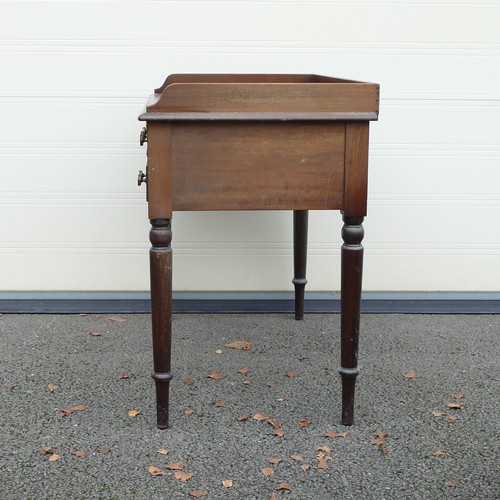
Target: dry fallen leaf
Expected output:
[297,457]
[274,422]
[118,319]
[438,414]
[54,457]
[305,467]
[304,423]
[227,483]
[46,449]
[410,375]
[155,471]
[457,395]
[274,461]
[103,451]
[284,486]
[247,382]
[188,411]
[133,413]
[382,435]
[183,476]
[197,493]
[220,404]
[439,453]
[239,344]
[456,406]
[189,381]
[175,465]
[218,351]
[451,418]
[323,462]
[163,451]
[267,471]
[72,409]
[216,376]
[403,400]
[242,418]
[243,371]
[271,384]
[381,445]
[333,434]
[260,417]
[290,373]
[52,387]
[326,449]
[79,453]
[278,432]
[124,376]
[96,334]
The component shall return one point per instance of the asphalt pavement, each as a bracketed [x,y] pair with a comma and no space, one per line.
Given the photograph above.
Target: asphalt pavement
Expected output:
[77,414]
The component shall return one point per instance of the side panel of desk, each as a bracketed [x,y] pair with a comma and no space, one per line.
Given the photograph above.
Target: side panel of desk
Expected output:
[253,165]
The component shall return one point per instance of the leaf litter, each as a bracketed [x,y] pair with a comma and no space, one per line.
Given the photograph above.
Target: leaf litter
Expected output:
[183,476]
[68,411]
[239,344]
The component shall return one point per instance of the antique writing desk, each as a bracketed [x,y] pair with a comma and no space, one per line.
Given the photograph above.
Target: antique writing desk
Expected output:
[258,142]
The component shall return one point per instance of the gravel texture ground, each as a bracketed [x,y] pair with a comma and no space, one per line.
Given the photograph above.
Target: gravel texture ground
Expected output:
[397,449]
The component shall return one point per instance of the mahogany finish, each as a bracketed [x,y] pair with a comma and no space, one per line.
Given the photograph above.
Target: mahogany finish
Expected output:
[350,306]
[258,142]
[300,220]
[257,166]
[160,256]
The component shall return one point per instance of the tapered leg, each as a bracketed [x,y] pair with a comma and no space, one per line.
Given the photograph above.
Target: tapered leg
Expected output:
[161,312]
[352,269]
[300,218]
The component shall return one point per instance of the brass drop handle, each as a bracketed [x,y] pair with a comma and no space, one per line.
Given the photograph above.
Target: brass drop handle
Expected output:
[142,177]
[144,136]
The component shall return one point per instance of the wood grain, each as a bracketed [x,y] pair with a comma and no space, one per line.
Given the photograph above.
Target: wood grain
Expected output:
[268,97]
[356,169]
[267,166]
[158,171]
[213,146]
[263,93]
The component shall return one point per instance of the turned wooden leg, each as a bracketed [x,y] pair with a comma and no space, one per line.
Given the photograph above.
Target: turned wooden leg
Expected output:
[299,281]
[352,269]
[160,256]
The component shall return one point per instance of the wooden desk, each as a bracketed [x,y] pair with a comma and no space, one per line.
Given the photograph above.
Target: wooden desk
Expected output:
[258,142]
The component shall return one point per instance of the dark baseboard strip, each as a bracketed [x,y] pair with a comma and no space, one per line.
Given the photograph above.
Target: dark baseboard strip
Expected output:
[249,305]
[74,306]
[368,306]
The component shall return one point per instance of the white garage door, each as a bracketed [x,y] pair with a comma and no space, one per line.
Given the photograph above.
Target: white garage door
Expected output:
[76,74]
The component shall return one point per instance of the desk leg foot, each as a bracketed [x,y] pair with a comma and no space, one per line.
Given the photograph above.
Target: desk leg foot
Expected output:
[352,269]
[160,256]
[300,218]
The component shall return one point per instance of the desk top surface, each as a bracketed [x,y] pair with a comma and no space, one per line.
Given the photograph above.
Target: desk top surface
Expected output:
[261,97]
